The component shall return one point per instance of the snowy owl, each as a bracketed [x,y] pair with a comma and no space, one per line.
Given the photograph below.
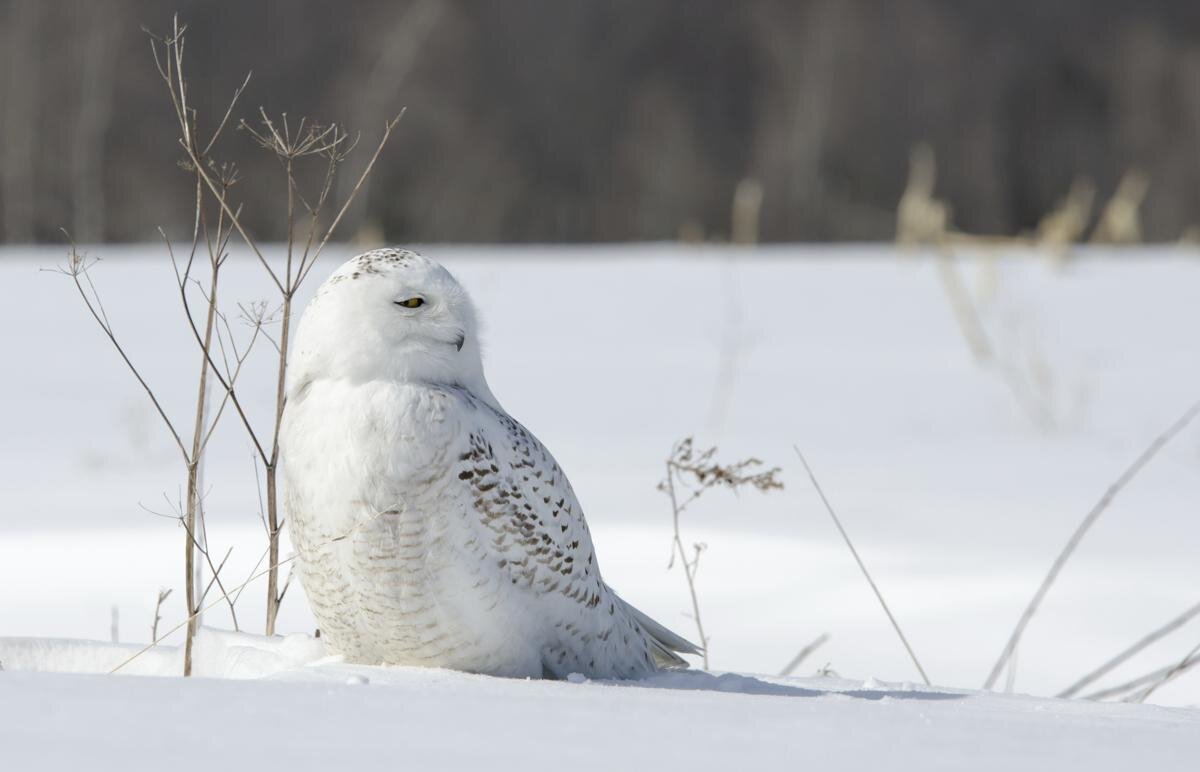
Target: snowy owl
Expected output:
[430,527]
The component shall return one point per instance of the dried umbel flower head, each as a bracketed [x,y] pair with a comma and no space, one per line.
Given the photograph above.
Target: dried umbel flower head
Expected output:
[699,469]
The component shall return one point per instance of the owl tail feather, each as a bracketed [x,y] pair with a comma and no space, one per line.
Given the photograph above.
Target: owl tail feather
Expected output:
[665,643]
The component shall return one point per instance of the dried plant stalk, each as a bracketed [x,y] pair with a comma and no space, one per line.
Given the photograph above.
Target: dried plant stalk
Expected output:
[1155,678]
[804,654]
[1141,644]
[1089,520]
[862,567]
[696,472]
[1187,663]
[163,594]
[235,591]
[291,145]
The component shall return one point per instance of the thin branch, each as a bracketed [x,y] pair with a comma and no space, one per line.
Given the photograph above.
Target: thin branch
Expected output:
[258,487]
[1142,643]
[874,588]
[226,384]
[232,215]
[1150,677]
[163,594]
[286,584]
[965,312]
[228,111]
[803,654]
[254,575]
[216,572]
[76,267]
[190,617]
[689,570]
[1111,493]
[177,49]
[387,132]
[698,471]
[239,361]
[253,570]
[1184,665]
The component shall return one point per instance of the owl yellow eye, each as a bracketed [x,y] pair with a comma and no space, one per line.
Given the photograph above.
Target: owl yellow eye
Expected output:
[411,302]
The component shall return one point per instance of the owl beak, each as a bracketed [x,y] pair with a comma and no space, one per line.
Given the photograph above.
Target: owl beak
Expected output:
[459,341]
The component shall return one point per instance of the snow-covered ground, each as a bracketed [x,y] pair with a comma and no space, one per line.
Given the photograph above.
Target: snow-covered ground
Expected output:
[303,712]
[959,483]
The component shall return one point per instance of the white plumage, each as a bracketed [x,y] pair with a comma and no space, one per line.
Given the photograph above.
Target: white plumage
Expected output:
[432,528]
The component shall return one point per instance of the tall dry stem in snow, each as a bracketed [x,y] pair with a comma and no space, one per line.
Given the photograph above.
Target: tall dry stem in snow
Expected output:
[690,473]
[1115,488]
[189,513]
[210,238]
[804,654]
[1137,647]
[214,236]
[747,204]
[163,594]
[292,146]
[837,521]
[732,348]
[1120,220]
[1150,681]
[1188,662]
[230,595]
[197,278]
[922,220]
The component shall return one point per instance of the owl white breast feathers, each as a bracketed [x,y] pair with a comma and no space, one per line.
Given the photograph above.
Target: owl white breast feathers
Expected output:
[431,528]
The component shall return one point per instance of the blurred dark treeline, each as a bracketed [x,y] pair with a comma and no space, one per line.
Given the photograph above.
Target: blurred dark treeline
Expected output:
[596,120]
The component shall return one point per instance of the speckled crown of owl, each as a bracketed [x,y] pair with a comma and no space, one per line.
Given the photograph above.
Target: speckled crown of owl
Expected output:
[391,314]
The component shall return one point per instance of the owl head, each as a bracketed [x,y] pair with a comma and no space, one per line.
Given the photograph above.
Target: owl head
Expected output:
[390,314]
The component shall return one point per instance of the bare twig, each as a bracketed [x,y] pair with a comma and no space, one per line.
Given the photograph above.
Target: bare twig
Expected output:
[206,348]
[1154,676]
[964,310]
[698,470]
[217,180]
[689,568]
[290,146]
[228,112]
[232,377]
[287,582]
[163,594]
[291,142]
[986,351]
[195,458]
[1088,521]
[216,574]
[1184,665]
[803,654]
[862,567]
[77,268]
[172,76]
[193,616]
[387,133]
[1142,643]
[732,345]
[255,574]
[257,563]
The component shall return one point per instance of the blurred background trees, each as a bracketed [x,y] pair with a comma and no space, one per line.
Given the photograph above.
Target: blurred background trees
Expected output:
[599,120]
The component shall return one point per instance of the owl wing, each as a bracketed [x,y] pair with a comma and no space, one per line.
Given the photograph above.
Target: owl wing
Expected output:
[533,527]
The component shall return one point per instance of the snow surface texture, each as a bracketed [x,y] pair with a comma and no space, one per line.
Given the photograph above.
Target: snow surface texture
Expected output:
[958,487]
[320,714]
